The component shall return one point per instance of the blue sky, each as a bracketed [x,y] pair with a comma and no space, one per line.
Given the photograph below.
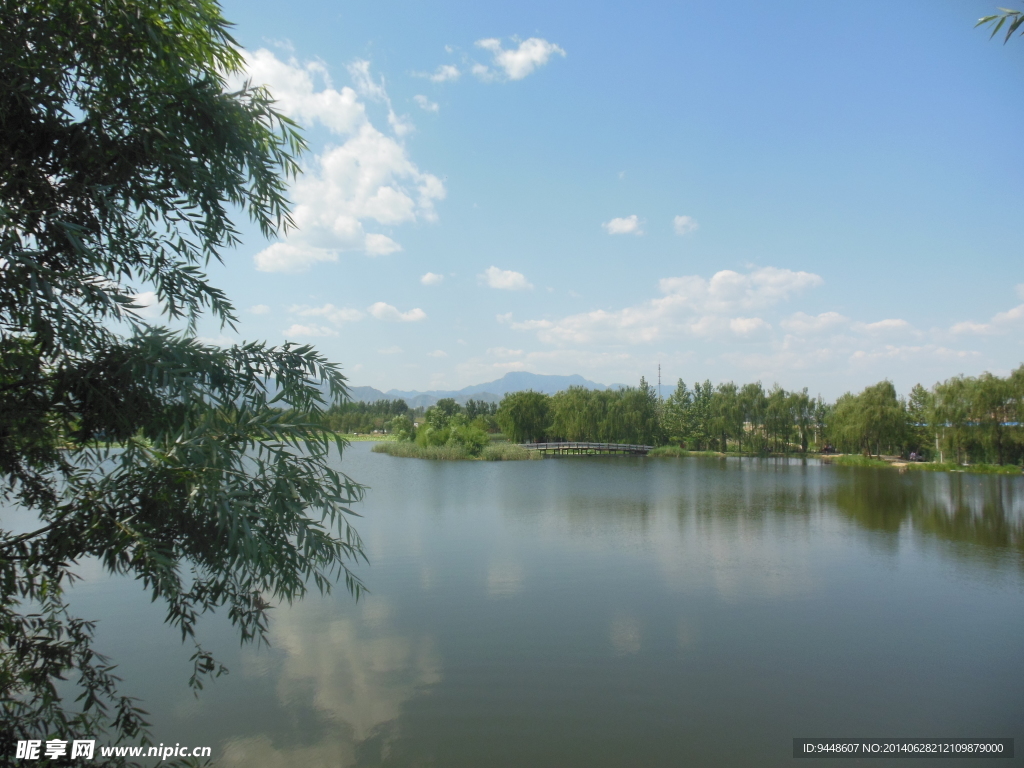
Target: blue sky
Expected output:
[814,194]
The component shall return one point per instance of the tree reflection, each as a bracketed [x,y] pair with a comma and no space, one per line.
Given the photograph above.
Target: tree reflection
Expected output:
[985,511]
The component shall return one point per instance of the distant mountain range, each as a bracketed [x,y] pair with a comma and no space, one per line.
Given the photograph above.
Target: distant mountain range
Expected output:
[491,392]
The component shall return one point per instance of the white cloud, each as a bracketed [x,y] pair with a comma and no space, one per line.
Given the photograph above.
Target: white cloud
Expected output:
[517,63]
[805,325]
[505,279]
[438,353]
[383,311]
[381,245]
[684,225]
[1000,323]
[146,305]
[426,104]
[442,74]
[883,326]
[431,278]
[627,225]
[691,306]
[259,309]
[294,87]
[298,331]
[369,177]
[749,327]
[288,257]
[336,315]
[504,319]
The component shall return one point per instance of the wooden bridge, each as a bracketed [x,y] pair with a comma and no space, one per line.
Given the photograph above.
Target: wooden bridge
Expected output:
[585,449]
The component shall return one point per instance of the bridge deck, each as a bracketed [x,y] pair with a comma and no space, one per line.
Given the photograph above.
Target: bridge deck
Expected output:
[588,448]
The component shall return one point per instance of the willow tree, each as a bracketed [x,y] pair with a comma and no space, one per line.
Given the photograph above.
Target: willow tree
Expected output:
[125,157]
[524,416]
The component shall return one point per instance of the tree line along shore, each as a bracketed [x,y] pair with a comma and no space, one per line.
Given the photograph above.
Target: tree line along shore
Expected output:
[963,421]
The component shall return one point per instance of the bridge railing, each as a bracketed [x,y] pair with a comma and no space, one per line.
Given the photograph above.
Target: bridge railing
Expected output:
[598,447]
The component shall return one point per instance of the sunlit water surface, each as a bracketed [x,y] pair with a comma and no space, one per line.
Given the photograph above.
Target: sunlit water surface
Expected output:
[616,612]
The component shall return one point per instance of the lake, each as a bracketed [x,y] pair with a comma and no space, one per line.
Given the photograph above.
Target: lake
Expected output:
[617,611]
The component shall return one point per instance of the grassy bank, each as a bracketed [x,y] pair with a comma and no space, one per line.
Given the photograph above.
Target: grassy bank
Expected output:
[493,452]
[923,466]
[673,451]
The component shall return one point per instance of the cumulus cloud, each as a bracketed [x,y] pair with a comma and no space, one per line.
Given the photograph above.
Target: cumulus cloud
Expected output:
[804,324]
[336,315]
[367,179]
[383,311]
[380,245]
[291,257]
[749,327]
[442,74]
[438,353]
[516,63]
[425,104]
[690,306]
[299,331]
[432,278]
[627,225]
[259,309]
[684,225]
[889,325]
[505,279]
[1001,322]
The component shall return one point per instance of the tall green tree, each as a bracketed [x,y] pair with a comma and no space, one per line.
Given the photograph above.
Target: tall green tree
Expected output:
[524,416]
[125,157]
[678,414]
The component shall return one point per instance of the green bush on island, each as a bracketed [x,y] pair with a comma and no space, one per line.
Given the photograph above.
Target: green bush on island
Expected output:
[448,426]
[492,452]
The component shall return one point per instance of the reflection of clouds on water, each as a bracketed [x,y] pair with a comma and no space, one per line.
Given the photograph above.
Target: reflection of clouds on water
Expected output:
[355,673]
[625,635]
[259,751]
[686,634]
[504,578]
[426,578]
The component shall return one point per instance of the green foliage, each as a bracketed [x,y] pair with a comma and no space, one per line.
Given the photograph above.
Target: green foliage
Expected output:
[868,422]
[402,428]
[978,420]
[420,451]
[448,425]
[350,417]
[124,159]
[524,416]
[1011,19]
[457,452]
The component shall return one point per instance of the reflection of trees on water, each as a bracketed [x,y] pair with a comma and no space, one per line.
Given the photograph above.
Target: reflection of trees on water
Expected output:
[987,511]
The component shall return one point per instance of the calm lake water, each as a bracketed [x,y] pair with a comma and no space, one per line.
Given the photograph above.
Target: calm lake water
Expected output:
[617,612]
